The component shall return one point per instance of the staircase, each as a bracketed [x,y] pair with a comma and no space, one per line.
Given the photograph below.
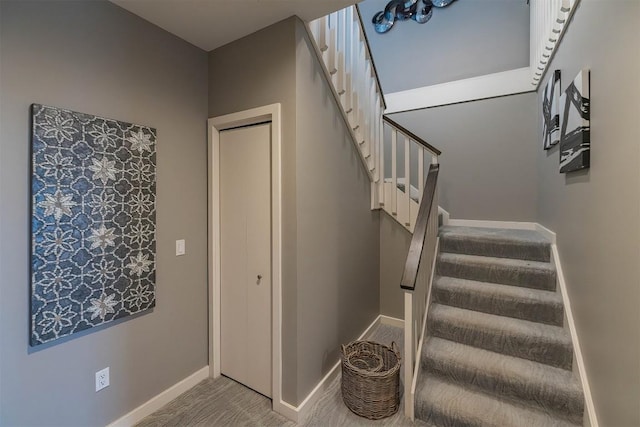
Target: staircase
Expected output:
[495,350]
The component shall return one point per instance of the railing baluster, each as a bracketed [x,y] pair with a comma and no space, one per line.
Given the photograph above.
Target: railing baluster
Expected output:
[407,181]
[332,50]
[420,173]
[340,47]
[394,172]
[322,34]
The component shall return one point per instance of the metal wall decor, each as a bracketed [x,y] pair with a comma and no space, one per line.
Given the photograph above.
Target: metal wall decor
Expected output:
[417,10]
[93,189]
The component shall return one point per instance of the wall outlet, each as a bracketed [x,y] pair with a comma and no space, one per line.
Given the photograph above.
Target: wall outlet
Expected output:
[180,247]
[102,379]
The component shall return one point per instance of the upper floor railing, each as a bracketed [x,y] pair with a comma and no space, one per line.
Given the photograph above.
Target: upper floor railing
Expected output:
[548,21]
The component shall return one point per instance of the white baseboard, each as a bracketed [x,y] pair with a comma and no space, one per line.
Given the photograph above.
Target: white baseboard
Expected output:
[391,321]
[301,413]
[588,400]
[547,233]
[157,402]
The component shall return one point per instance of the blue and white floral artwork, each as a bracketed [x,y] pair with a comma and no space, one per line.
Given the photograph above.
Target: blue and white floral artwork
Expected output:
[93,210]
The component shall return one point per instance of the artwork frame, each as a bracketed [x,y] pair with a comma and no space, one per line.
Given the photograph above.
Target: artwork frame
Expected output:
[551,111]
[575,124]
[93,244]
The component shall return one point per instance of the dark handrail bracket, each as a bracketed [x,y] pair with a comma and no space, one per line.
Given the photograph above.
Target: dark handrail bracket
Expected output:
[412,265]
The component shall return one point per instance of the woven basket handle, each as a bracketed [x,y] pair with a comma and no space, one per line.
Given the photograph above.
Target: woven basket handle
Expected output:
[344,350]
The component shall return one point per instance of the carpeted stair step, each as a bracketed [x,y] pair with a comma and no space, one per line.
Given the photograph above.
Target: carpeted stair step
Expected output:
[504,300]
[442,403]
[495,242]
[551,390]
[530,274]
[542,343]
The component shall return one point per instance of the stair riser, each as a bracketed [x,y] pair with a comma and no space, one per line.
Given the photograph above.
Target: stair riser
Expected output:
[440,416]
[558,354]
[500,249]
[569,406]
[548,313]
[525,277]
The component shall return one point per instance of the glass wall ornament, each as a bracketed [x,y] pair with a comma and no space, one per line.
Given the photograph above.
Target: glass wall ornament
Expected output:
[402,10]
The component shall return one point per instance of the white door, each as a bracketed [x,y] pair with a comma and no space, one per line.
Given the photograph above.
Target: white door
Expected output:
[245,256]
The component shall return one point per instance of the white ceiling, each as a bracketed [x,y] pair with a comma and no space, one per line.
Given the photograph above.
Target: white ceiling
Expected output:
[209,24]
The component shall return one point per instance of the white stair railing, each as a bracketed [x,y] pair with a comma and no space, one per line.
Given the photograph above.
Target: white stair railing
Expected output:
[405,161]
[548,21]
[341,44]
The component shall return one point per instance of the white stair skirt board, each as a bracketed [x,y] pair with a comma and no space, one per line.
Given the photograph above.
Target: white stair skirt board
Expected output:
[482,87]
[300,413]
[590,410]
[158,401]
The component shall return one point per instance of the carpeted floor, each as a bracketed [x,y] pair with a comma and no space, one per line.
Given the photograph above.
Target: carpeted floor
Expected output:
[223,402]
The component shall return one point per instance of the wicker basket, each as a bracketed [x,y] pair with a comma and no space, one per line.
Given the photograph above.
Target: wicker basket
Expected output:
[371,379]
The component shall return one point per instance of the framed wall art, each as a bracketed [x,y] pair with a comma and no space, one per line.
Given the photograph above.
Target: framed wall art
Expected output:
[93,192]
[551,111]
[575,128]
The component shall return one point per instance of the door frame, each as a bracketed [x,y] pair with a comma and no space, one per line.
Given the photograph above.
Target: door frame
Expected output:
[252,116]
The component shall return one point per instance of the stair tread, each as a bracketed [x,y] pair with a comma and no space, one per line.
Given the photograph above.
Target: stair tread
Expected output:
[508,291]
[495,242]
[437,398]
[494,234]
[493,322]
[507,271]
[537,305]
[516,337]
[553,389]
[502,262]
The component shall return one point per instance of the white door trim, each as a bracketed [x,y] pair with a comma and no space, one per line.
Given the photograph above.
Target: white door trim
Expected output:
[216,125]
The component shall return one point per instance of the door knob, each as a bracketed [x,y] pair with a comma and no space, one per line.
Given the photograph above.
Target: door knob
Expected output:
[259,279]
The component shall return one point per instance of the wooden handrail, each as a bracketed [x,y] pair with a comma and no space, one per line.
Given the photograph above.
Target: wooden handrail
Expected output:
[412,136]
[412,264]
[373,63]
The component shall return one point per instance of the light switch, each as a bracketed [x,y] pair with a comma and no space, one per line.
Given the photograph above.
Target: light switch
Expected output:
[180,247]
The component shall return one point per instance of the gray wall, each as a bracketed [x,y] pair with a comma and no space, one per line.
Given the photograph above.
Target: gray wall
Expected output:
[96,58]
[258,70]
[488,149]
[394,247]
[338,234]
[330,235]
[466,39]
[596,213]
